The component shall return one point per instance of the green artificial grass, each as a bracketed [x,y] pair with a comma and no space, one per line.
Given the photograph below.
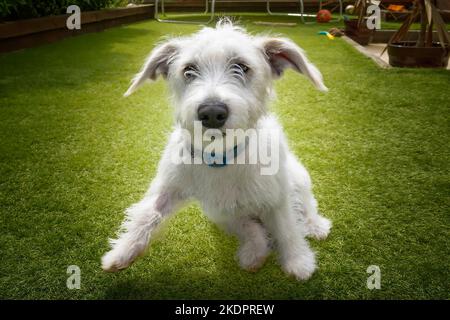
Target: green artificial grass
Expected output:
[74,154]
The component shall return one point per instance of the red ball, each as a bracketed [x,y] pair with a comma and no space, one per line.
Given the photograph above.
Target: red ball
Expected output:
[323,16]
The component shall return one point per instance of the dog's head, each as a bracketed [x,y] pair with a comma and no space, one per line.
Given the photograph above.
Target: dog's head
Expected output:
[223,76]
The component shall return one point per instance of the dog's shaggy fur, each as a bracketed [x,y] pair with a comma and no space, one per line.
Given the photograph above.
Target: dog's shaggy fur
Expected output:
[252,206]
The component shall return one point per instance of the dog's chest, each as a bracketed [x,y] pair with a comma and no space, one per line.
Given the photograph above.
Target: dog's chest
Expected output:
[235,187]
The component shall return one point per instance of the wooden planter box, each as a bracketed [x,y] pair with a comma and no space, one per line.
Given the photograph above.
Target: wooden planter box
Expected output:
[33,32]
[406,54]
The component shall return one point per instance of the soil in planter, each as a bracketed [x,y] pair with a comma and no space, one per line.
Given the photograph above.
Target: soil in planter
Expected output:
[361,35]
[406,54]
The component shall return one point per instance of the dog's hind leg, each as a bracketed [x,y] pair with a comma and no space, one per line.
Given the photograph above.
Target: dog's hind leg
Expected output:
[304,203]
[315,225]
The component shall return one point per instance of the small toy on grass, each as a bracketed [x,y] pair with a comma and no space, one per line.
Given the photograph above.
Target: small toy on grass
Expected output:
[323,16]
[326,33]
[336,32]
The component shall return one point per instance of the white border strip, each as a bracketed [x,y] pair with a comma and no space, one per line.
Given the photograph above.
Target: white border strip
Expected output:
[380,62]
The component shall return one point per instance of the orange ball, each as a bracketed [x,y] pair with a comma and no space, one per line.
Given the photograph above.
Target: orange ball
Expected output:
[323,16]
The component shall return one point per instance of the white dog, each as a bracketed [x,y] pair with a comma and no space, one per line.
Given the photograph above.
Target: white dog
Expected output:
[223,77]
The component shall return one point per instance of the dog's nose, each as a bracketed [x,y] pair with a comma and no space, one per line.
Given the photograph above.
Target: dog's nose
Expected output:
[213,114]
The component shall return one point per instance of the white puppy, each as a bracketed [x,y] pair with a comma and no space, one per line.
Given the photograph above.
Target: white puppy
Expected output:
[223,78]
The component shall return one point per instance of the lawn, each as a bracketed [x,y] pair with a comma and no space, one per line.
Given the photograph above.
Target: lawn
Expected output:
[74,154]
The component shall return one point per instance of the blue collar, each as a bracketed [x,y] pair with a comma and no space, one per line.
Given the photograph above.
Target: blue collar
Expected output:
[209,158]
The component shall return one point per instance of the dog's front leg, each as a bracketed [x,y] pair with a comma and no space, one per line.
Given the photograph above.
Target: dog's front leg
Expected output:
[254,245]
[296,256]
[141,219]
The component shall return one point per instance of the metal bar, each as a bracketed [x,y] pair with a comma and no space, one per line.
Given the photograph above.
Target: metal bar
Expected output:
[302,14]
[211,18]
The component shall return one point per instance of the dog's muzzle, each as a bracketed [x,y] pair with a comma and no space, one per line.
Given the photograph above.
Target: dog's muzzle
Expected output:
[213,114]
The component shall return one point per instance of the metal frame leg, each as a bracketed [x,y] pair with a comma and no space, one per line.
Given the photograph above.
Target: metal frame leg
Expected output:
[300,14]
[340,12]
[163,13]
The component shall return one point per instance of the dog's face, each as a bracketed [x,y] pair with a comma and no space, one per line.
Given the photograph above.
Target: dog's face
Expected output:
[223,76]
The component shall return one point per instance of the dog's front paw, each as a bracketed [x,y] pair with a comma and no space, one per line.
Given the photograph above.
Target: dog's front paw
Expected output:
[118,258]
[301,267]
[252,256]
[319,227]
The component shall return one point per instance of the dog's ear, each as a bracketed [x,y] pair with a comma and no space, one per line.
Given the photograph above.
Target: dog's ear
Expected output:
[156,64]
[283,53]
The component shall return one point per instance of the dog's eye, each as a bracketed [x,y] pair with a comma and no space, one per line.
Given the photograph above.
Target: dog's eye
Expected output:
[240,71]
[190,72]
[243,67]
